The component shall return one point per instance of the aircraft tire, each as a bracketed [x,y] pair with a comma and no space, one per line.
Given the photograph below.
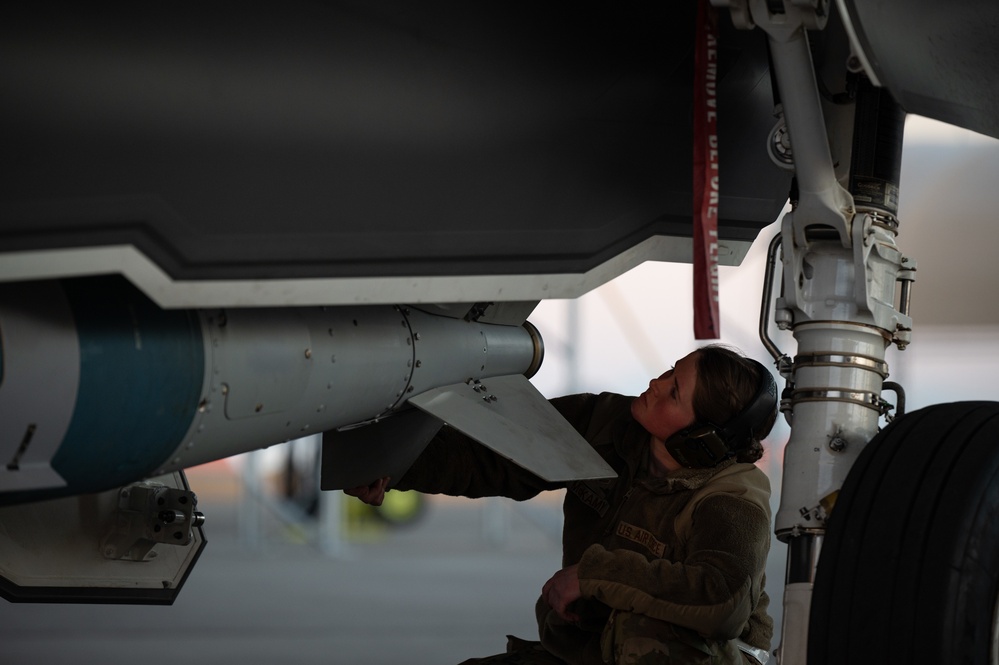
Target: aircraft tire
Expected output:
[909,567]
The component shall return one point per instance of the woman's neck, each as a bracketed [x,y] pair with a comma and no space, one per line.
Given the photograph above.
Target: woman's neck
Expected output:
[661,463]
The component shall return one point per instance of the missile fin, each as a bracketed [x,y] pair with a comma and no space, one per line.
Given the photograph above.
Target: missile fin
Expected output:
[354,457]
[510,416]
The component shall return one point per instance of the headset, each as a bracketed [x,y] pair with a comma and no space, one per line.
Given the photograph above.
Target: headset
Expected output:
[704,445]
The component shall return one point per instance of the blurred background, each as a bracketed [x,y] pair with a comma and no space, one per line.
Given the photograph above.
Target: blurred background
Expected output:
[294,576]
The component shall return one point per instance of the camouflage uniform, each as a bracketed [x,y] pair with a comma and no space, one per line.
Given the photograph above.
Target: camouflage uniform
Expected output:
[633,640]
[671,568]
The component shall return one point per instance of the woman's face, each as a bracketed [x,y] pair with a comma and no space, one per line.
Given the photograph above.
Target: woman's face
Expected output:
[667,406]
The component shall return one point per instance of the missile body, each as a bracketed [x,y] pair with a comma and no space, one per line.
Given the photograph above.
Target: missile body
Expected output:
[100,387]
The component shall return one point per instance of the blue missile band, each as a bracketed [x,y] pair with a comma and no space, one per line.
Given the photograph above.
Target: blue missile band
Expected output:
[141,373]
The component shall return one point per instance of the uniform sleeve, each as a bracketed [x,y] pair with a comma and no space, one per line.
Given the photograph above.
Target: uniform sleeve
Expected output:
[713,591]
[579,410]
[458,465]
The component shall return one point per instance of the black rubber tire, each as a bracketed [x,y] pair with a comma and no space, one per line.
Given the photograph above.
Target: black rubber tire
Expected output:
[909,570]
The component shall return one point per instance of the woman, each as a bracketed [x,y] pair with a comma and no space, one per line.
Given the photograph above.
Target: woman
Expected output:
[666,562]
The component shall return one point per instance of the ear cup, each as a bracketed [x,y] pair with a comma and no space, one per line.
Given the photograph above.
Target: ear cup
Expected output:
[698,446]
[760,409]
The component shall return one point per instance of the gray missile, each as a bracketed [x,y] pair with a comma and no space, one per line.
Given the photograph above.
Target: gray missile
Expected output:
[101,387]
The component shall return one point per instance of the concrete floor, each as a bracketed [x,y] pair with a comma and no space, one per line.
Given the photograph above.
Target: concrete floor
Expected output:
[437,592]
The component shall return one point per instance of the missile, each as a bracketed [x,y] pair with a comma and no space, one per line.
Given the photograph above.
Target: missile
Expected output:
[101,387]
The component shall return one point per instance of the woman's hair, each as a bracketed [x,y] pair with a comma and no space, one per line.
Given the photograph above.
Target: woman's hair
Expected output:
[726,382]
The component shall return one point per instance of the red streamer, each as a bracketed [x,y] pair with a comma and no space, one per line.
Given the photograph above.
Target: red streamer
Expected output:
[706,319]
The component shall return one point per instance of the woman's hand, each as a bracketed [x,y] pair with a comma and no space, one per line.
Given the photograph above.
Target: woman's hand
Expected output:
[372,494]
[561,591]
